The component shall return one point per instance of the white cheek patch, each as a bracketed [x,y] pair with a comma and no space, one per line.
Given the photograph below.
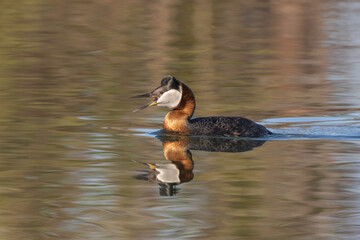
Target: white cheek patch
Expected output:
[168,173]
[169,99]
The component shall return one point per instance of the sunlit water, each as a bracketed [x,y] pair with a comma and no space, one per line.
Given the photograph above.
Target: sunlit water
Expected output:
[77,163]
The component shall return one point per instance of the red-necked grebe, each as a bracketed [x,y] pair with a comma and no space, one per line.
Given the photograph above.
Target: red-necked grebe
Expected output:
[177,96]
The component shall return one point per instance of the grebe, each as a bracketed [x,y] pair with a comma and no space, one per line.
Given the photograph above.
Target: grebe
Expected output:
[177,96]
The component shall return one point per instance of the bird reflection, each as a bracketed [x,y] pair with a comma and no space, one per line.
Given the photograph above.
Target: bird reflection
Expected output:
[177,151]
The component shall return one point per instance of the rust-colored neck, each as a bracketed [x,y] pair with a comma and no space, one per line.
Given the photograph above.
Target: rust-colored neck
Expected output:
[177,153]
[177,119]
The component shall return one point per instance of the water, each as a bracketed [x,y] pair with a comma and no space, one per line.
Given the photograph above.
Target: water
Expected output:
[75,161]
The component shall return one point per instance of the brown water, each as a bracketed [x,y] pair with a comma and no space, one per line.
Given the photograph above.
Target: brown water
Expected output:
[70,145]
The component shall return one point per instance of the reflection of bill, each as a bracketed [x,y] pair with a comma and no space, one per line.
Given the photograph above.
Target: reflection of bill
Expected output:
[168,175]
[177,151]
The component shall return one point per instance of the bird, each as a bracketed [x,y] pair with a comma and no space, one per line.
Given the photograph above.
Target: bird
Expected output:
[179,98]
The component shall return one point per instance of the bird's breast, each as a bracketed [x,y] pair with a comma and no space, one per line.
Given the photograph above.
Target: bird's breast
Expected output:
[176,121]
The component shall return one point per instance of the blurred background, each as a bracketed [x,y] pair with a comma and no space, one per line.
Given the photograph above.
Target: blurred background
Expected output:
[69,139]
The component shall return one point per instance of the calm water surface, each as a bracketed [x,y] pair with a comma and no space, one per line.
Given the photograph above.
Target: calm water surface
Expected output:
[76,163]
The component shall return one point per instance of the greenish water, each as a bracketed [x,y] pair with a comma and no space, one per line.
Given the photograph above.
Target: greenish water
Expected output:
[71,149]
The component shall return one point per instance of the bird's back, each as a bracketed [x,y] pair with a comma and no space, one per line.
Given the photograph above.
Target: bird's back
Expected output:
[227,127]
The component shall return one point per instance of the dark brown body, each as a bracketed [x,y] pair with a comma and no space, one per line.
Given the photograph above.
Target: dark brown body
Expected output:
[179,120]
